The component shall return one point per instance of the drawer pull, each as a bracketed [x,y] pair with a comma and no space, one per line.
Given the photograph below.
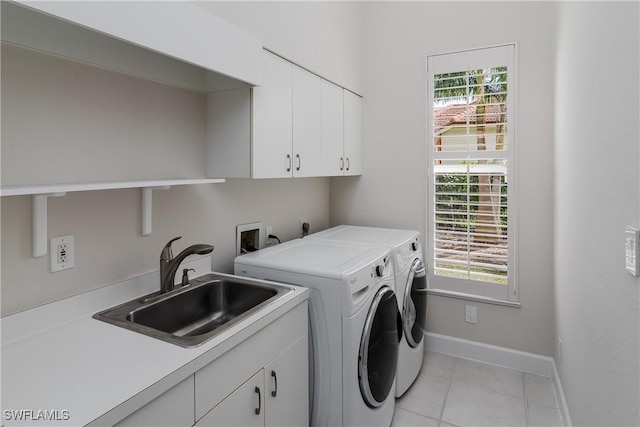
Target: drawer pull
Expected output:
[274,392]
[257,390]
[288,162]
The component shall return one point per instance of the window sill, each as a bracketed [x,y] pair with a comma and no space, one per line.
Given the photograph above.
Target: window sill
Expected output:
[470,297]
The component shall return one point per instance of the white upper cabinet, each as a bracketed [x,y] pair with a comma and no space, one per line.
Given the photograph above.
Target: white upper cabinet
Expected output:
[175,42]
[341,131]
[332,117]
[272,118]
[291,126]
[352,133]
[307,143]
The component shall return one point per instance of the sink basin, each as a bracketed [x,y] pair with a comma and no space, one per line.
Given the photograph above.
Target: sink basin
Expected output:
[193,314]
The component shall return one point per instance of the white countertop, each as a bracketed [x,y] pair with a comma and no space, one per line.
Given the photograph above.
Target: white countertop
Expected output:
[58,358]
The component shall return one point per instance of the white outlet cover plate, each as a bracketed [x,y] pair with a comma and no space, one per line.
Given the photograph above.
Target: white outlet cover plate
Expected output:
[470,314]
[632,251]
[54,244]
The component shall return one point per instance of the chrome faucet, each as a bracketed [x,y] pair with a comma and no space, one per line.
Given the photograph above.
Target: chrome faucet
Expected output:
[169,265]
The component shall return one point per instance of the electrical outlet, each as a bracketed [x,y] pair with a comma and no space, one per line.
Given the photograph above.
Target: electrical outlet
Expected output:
[632,250]
[470,314]
[559,349]
[62,253]
[304,226]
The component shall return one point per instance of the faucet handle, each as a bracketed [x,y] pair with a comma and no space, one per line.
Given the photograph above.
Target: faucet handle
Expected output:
[167,253]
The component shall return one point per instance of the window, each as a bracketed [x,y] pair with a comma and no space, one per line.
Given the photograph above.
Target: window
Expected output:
[470,121]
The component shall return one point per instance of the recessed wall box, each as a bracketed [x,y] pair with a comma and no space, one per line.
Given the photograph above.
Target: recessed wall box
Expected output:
[249,237]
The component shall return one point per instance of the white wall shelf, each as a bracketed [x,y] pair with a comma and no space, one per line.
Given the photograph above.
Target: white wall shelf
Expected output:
[25,190]
[41,193]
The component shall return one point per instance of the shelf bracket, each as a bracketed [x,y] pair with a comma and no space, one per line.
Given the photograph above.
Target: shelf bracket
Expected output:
[39,223]
[147,207]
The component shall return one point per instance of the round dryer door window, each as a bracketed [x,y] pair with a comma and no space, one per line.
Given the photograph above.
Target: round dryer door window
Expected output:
[414,311]
[378,354]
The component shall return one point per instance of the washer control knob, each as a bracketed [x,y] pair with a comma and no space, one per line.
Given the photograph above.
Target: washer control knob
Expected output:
[414,246]
[379,270]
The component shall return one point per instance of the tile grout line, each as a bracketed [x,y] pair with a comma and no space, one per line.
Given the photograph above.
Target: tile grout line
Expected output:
[526,400]
[446,396]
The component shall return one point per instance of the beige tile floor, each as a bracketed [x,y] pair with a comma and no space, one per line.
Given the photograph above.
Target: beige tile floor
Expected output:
[457,392]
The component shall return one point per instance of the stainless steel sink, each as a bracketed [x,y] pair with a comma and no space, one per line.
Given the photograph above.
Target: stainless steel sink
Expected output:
[193,314]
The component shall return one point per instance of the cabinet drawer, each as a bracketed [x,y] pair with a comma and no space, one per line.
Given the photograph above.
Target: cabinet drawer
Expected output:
[172,408]
[243,408]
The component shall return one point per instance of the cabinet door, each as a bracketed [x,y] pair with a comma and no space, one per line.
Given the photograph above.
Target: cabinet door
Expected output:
[272,121]
[173,408]
[332,125]
[307,144]
[287,386]
[243,407]
[352,133]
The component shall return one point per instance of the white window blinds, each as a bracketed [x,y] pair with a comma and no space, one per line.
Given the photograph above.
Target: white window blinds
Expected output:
[470,145]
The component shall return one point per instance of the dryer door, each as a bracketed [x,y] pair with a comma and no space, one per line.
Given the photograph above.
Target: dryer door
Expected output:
[378,354]
[414,311]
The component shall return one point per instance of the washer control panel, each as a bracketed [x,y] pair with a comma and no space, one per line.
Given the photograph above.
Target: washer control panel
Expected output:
[381,267]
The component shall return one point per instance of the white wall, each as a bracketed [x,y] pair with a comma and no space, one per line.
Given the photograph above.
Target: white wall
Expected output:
[67,122]
[64,122]
[391,191]
[597,185]
[322,36]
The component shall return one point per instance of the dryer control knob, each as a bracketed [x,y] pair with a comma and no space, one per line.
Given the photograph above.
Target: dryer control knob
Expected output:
[414,246]
[379,270]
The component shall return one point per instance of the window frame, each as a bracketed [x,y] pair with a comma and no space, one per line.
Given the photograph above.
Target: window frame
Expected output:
[451,62]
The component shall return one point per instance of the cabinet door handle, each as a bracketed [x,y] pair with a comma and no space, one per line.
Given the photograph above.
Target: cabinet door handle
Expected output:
[341,163]
[299,162]
[348,164]
[288,162]
[274,392]
[257,390]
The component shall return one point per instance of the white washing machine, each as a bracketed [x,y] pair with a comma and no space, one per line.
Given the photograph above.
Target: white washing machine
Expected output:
[410,288]
[354,330]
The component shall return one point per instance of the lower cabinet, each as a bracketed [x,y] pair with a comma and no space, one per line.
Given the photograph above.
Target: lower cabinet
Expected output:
[277,395]
[263,380]
[287,387]
[172,408]
[243,407]
[267,373]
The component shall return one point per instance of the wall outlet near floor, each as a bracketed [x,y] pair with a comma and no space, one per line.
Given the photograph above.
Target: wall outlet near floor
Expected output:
[62,253]
[470,314]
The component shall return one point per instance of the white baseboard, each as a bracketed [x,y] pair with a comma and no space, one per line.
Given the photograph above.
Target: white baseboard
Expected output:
[557,385]
[501,356]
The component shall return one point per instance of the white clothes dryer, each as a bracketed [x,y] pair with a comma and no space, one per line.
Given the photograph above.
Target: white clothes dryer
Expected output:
[410,288]
[354,325]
